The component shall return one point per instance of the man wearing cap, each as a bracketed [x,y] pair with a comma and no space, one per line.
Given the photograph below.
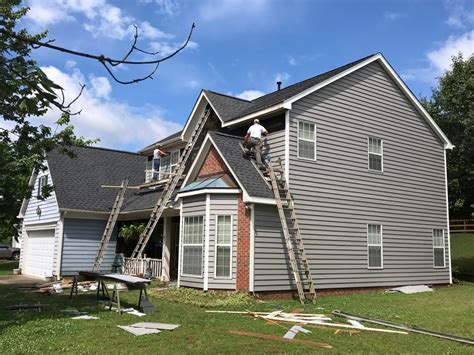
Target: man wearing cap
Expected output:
[158,153]
[253,138]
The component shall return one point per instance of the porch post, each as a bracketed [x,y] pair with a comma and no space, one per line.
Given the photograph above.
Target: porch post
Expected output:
[165,258]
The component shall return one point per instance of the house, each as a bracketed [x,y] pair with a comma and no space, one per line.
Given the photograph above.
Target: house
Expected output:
[366,166]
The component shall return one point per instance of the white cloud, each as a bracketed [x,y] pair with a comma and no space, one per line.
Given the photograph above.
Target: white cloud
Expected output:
[393,16]
[100,86]
[292,61]
[283,77]
[441,57]
[460,16]
[101,18]
[165,48]
[249,94]
[116,124]
[439,60]
[167,7]
[212,10]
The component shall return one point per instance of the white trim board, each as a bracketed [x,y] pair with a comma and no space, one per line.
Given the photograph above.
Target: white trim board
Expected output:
[207,191]
[207,235]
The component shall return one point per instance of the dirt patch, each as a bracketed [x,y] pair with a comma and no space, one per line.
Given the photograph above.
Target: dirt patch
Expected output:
[19,280]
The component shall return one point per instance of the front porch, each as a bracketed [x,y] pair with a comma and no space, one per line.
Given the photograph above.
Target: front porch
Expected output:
[160,259]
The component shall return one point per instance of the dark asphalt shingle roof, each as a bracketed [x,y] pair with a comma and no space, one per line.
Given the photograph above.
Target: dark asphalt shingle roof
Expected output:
[230,108]
[78,181]
[152,146]
[244,170]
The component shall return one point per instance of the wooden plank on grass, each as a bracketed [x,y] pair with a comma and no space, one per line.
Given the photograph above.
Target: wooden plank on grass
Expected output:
[280,339]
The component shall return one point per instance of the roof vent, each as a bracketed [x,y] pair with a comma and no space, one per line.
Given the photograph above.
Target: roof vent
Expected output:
[278,85]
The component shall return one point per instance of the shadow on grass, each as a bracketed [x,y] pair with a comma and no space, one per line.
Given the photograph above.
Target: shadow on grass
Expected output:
[7,266]
[10,295]
[463,268]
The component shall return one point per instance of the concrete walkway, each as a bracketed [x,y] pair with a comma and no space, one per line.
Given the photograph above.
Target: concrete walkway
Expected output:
[19,280]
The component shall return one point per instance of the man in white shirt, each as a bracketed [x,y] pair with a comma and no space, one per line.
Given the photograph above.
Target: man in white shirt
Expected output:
[253,138]
[158,153]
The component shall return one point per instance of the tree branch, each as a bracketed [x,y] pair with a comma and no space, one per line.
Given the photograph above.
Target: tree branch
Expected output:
[101,57]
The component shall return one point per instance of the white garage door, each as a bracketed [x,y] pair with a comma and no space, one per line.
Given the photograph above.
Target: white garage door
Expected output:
[40,253]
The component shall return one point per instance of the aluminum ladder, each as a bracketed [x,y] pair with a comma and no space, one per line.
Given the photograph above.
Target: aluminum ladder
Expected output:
[292,234]
[109,227]
[169,187]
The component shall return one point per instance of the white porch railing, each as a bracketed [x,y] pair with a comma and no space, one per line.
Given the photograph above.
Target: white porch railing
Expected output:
[151,267]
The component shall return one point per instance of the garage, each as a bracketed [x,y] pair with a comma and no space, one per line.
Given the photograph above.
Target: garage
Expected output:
[39,253]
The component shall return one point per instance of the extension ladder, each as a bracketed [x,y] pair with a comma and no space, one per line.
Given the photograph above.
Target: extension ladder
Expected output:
[169,187]
[109,227]
[292,234]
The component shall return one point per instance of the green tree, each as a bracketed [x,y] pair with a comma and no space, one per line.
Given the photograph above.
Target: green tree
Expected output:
[452,107]
[26,94]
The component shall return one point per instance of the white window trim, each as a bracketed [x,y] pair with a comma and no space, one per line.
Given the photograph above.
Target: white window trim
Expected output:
[376,245]
[39,193]
[193,245]
[307,140]
[444,249]
[369,152]
[229,245]
[172,166]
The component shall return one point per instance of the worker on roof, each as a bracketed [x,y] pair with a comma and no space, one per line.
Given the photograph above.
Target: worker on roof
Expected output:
[253,140]
[158,153]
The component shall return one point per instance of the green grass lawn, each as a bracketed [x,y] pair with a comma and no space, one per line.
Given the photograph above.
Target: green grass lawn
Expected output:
[7,266]
[448,309]
[462,260]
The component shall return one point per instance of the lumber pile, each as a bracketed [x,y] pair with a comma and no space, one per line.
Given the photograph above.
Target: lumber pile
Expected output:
[318,320]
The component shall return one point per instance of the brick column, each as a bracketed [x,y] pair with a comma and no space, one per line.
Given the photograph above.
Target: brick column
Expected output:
[243,247]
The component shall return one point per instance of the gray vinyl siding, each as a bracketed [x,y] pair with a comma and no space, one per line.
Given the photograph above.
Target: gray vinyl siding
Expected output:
[80,244]
[274,145]
[48,206]
[222,205]
[336,196]
[193,206]
[49,215]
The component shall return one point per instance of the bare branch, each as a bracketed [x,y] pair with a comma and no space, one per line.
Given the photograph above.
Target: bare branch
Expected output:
[101,57]
[133,81]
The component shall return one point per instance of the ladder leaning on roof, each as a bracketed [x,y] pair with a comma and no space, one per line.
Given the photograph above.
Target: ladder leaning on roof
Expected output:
[292,235]
[169,187]
[109,227]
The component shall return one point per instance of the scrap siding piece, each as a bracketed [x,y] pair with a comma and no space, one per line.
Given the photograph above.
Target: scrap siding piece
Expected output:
[139,331]
[149,325]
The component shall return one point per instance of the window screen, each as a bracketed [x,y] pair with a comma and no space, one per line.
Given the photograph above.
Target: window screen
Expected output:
[375,154]
[306,140]
[223,246]
[438,248]
[193,233]
[374,245]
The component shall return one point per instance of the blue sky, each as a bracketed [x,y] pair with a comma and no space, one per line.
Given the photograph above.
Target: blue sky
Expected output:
[240,47]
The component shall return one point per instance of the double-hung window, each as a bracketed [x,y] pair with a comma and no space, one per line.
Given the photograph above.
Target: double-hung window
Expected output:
[374,246]
[223,258]
[306,140]
[438,248]
[375,154]
[168,163]
[42,181]
[193,235]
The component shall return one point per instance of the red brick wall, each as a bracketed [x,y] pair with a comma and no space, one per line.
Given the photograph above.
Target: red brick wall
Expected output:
[213,164]
[243,247]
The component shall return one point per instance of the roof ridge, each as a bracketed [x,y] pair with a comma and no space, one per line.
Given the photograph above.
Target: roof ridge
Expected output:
[314,76]
[229,96]
[108,149]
